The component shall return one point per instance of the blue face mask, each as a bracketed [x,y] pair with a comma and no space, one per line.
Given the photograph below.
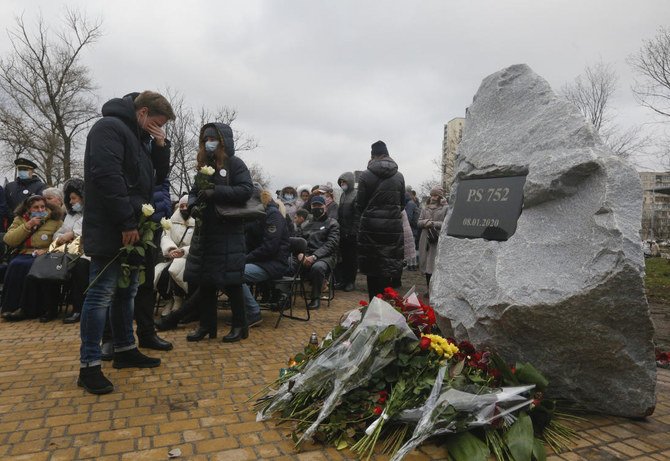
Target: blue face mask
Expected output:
[39,214]
[23,174]
[77,207]
[210,146]
[288,197]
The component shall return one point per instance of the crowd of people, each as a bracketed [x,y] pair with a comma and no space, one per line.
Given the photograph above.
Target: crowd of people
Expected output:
[373,225]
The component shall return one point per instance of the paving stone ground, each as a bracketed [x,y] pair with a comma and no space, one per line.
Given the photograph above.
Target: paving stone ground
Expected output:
[197,401]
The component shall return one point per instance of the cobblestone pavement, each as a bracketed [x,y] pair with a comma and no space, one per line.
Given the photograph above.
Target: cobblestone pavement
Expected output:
[197,401]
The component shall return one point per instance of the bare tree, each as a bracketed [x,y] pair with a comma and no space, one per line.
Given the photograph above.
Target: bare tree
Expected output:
[258,175]
[46,94]
[184,135]
[592,92]
[652,64]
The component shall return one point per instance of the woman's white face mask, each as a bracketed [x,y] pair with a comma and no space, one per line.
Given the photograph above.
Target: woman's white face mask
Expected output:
[210,146]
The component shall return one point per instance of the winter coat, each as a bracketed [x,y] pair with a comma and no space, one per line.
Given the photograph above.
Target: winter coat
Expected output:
[177,237]
[18,236]
[413,212]
[218,252]
[346,213]
[323,239]
[331,210]
[435,214]
[408,238]
[4,211]
[121,166]
[73,220]
[20,189]
[273,253]
[379,201]
[162,201]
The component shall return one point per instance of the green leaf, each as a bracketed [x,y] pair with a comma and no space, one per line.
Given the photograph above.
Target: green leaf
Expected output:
[528,374]
[388,334]
[124,281]
[140,251]
[519,438]
[508,376]
[467,447]
[151,244]
[342,444]
[142,276]
[457,369]
[539,452]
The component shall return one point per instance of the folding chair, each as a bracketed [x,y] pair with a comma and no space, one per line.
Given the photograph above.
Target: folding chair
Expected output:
[291,286]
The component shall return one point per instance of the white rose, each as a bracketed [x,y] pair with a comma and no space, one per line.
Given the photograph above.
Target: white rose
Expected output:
[207,170]
[147,210]
[166,224]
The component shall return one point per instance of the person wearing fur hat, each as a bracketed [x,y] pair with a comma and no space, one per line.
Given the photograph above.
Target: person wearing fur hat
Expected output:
[303,195]
[380,200]
[431,217]
[29,236]
[73,197]
[217,255]
[269,260]
[323,239]
[289,197]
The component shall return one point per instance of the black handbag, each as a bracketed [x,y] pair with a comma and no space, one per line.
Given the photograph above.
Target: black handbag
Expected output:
[252,210]
[433,234]
[54,267]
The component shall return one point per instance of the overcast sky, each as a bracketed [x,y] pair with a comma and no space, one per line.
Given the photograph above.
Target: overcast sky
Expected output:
[317,82]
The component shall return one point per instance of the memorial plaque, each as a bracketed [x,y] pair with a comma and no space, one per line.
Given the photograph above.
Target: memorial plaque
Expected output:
[487,208]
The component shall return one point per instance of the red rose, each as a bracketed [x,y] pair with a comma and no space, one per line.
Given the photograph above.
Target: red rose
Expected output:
[377,410]
[381,400]
[383,394]
[424,343]
[362,303]
[466,347]
[379,296]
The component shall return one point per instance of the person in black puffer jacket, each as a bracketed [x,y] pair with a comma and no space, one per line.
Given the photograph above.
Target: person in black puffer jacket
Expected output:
[126,155]
[380,200]
[269,259]
[217,255]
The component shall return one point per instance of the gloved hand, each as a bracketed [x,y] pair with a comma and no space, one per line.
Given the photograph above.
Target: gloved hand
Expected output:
[205,195]
[195,212]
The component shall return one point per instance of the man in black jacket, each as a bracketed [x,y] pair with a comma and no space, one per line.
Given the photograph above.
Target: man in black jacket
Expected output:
[126,155]
[269,259]
[380,200]
[323,239]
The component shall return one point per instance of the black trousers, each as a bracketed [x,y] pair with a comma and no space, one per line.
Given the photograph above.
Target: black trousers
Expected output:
[207,306]
[376,284]
[349,260]
[316,275]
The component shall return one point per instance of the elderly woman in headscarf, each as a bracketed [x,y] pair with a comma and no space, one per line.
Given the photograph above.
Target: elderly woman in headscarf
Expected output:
[175,244]
[430,223]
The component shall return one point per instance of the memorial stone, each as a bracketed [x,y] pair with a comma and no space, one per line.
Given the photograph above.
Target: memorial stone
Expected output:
[565,291]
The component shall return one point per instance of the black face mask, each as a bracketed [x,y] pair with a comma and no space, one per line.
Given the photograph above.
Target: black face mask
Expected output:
[184,214]
[317,213]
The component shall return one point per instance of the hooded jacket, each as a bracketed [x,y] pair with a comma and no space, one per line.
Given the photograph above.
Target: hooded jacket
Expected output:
[218,251]
[73,220]
[379,201]
[346,213]
[121,166]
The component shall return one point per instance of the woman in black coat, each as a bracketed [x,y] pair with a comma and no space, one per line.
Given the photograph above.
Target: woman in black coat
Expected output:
[217,255]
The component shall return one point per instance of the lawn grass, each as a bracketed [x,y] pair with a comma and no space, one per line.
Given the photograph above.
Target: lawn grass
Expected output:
[657,280]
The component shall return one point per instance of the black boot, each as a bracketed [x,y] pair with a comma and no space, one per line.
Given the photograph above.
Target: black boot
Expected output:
[155,342]
[74,318]
[236,334]
[92,379]
[48,316]
[133,358]
[200,333]
[315,303]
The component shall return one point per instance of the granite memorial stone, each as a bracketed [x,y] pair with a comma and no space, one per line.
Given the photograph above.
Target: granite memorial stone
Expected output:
[566,291]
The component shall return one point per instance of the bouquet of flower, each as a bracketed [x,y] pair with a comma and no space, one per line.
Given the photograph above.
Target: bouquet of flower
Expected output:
[384,377]
[203,181]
